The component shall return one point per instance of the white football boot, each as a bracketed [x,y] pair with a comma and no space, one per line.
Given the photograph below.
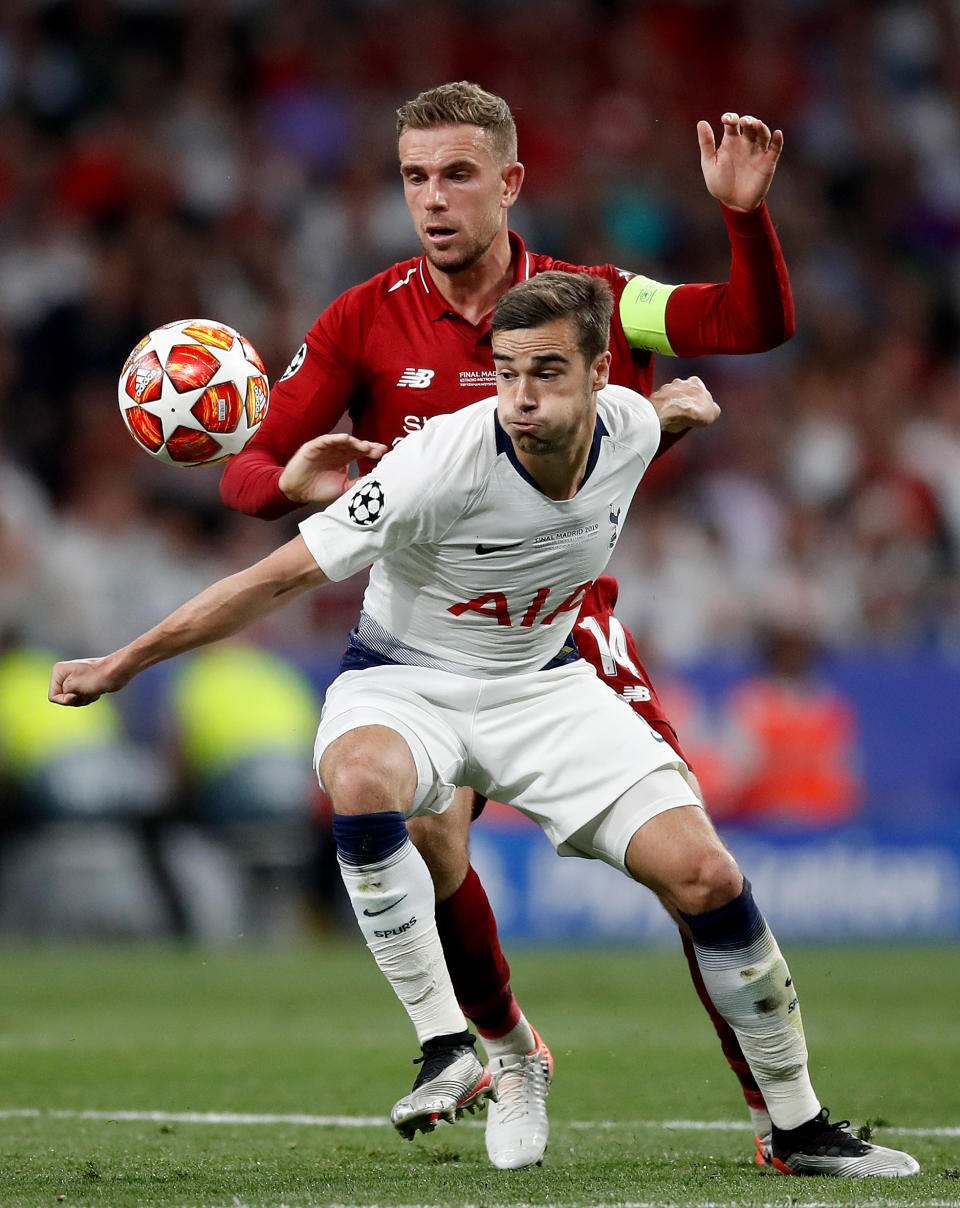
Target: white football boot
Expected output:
[517,1124]
[453,1080]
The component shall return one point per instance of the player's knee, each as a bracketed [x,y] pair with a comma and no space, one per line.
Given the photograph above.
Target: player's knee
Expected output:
[711,879]
[355,788]
[362,780]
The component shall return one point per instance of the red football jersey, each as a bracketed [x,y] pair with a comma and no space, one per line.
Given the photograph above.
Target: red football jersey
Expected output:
[391,353]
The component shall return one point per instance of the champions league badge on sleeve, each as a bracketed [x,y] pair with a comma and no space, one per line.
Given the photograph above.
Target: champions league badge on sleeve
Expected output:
[298,358]
[366,506]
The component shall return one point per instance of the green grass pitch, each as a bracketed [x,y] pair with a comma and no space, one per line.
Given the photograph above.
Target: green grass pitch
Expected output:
[190,1079]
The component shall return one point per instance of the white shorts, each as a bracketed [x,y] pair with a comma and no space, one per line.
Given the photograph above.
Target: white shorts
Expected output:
[558,745]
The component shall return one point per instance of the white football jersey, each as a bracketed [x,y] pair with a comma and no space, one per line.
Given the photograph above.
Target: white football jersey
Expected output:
[473,565]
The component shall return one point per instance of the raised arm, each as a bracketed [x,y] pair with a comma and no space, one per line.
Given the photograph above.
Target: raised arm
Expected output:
[220,610]
[753,310]
[738,172]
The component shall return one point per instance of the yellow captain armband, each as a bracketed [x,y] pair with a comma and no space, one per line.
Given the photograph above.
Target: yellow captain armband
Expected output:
[643,313]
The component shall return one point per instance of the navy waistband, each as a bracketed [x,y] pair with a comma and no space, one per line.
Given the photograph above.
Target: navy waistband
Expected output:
[358,656]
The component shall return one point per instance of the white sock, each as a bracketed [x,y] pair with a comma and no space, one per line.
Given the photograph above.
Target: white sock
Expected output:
[759,1121]
[752,989]
[394,904]
[518,1041]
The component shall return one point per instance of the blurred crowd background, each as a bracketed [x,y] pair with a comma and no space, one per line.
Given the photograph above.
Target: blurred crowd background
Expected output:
[236,160]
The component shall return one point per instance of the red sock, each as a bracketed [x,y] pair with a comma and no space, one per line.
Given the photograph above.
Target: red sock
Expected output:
[478,968]
[728,1037]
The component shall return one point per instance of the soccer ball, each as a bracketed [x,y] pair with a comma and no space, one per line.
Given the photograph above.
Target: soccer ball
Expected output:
[193,392]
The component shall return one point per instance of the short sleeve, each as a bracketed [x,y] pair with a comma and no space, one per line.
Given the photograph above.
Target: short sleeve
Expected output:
[632,420]
[404,500]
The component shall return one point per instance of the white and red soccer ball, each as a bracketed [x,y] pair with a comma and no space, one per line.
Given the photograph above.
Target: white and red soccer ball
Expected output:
[193,392]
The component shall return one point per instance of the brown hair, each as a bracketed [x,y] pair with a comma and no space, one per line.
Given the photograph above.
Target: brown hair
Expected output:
[587,299]
[463,103]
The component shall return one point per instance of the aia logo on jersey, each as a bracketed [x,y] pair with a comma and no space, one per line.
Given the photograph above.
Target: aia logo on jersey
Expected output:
[493,604]
[416,379]
[366,506]
[299,357]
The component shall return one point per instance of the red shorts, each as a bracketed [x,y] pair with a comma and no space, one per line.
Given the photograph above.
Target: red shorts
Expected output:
[610,649]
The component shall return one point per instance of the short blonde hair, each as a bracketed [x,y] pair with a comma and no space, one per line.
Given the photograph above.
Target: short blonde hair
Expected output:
[463,103]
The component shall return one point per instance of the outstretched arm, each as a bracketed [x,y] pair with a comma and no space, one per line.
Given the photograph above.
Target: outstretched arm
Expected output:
[217,612]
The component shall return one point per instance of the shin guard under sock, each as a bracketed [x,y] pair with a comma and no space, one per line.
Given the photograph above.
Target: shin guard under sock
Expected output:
[750,985]
[729,1044]
[391,892]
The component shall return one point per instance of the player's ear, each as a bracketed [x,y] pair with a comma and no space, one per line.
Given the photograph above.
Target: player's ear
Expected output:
[600,374]
[512,177]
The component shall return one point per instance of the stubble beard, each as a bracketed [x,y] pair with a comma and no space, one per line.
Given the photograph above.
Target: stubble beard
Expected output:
[535,446]
[468,257]
[556,443]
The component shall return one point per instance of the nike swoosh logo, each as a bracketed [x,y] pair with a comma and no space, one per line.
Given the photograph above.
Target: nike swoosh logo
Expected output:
[492,549]
[373,913]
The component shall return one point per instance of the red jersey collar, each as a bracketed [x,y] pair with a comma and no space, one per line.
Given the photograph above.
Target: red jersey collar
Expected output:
[438,307]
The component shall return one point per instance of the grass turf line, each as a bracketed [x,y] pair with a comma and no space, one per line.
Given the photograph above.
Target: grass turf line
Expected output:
[315,1032]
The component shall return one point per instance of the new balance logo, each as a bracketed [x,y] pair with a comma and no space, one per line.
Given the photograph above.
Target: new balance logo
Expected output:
[416,379]
[635,692]
[371,914]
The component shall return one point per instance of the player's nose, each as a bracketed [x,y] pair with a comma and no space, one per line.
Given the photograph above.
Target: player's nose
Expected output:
[525,399]
[435,198]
